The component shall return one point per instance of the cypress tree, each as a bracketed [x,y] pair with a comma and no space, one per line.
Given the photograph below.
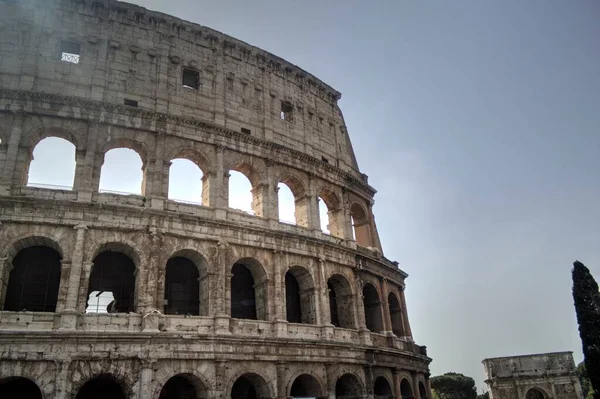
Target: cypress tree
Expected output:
[587,306]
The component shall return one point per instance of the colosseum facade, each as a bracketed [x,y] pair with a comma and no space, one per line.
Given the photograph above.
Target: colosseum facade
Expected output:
[211,302]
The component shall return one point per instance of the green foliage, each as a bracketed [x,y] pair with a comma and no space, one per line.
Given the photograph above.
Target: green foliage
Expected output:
[586,386]
[454,386]
[485,395]
[587,306]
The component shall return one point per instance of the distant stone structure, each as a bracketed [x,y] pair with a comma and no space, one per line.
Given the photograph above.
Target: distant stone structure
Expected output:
[209,301]
[539,376]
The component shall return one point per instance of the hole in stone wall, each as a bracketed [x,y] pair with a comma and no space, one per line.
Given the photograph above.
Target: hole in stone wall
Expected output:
[246,131]
[70,52]
[287,111]
[53,164]
[130,103]
[191,78]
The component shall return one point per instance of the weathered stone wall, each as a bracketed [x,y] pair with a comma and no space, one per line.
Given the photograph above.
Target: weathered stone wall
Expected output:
[551,375]
[128,52]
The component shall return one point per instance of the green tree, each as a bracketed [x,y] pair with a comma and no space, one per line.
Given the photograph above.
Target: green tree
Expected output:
[485,395]
[587,306]
[454,386]
[586,386]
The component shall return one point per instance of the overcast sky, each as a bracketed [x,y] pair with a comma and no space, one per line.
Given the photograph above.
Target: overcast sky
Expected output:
[478,123]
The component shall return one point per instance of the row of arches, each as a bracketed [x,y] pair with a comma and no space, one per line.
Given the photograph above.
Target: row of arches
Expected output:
[34,285]
[247,386]
[53,165]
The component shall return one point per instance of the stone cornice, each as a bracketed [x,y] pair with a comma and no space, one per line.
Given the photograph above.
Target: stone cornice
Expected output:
[162,118]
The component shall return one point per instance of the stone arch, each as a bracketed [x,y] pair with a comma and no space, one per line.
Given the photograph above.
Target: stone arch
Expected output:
[248,290]
[395,314]
[334,210]
[372,306]
[198,158]
[406,390]
[300,301]
[361,225]
[121,280]
[119,143]
[536,393]
[19,387]
[102,386]
[422,391]
[301,202]
[193,154]
[125,373]
[382,388]
[49,165]
[305,385]
[28,250]
[254,379]
[348,386]
[183,385]
[199,290]
[341,302]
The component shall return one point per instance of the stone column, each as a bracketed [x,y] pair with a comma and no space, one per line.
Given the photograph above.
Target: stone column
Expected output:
[325,313]
[281,380]
[405,324]
[397,390]
[312,199]
[368,381]
[62,380]
[5,269]
[261,197]
[12,152]
[154,172]
[69,317]
[331,380]
[387,319]
[415,384]
[84,286]
[84,182]
[146,375]
[63,284]
[147,275]
[98,161]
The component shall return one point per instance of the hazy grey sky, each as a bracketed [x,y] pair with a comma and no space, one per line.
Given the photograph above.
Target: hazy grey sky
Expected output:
[479,124]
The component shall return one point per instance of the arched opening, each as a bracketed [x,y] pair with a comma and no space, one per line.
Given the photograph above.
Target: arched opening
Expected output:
[341,305]
[240,192]
[323,216]
[248,290]
[372,305]
[185,182]
[52,164]
[122,172]
[19,388]
[422,391]
[182,287]
[535,393]
[306,386]
[382,388]
[300,296]
[112,272]
[183,386]
[250,386]
[347,386]
[101,387]
[330,213]
[34,280]
[361,225]
[286,204]
[395,315]
[405,389]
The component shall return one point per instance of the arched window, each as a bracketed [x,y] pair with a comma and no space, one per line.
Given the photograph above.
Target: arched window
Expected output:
[112,272]
[324,216]
[535,393]
[286,204]
[34,280]
[395,315]
[248,290]
[382,389]
[405,389]
[185,181]
[422,391]
[348,387]
[250,386]
[240,192]
[361,225]
[306,386]
[53,164]
[103,386]
[341,305]
[299,295]
[372,306]
[183,386]
[122,172]
[182,288]
[330,213]
[19,387]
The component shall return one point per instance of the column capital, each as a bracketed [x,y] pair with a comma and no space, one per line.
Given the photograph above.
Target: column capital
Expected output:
[80,227]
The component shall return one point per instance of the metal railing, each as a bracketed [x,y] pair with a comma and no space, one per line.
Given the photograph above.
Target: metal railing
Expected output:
[49,186]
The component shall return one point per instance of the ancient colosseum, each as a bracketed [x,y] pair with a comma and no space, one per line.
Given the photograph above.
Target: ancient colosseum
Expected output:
[210,301]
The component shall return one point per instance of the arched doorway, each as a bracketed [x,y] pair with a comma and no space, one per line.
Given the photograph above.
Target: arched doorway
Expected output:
[250,386]
[19,388]
[382,388]
[347,387]
[101,387]
[535,393]
[372,305]
[405,389]
[34,280]
[183,386]
[306,386]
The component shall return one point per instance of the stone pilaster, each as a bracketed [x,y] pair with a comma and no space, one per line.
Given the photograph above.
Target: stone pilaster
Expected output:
[387,319]
[12,152]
